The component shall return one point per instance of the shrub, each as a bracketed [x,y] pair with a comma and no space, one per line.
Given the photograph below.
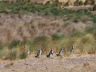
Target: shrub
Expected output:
[92,2]
[69,43]
[94,35]
[31,46]
[40,42]
[3,54]
[87,2]
[76,3]
[68,3]
[40,39]
[75,20]
[47,13]
[86,64]
[94,7]
[90,30]
[22,43]
[81,3]
[55,3]
[1,46]
[80,12]
[46,9]
[55,11]
[78,34]
[13,44]
[23,55]
[94,21]
[13,55]
[12,64]
[47,3]
[85,40]
[66,24]
[57,36]
[9,65]
[93,49]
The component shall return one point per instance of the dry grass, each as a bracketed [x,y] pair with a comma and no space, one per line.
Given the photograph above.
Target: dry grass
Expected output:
[86,64]
[37,31]
[70,0]
[9,65]
[23,31]
[18,28]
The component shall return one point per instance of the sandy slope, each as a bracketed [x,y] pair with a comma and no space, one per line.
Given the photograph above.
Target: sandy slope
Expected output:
[72,1]
[53,64]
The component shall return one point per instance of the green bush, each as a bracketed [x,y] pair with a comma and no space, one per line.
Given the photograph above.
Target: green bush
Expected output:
[92,2]
[94,21]
[76,3]
[24,55]
[40,42]
[87,2]
[39,39]
[13,44]
[90,30]
[78,34]
[38,8]
[22,43]
[1,46]
[55,11]
[55,3]
[68,3]
[75,20]
[57,36]
[81,3]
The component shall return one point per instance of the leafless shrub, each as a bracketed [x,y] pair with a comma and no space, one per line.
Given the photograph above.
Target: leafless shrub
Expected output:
[86,64]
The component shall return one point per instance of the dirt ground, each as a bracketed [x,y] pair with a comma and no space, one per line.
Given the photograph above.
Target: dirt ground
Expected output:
[74,63]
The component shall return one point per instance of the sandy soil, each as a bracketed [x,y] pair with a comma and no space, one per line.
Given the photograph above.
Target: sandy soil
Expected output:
[74,63]
[79,7]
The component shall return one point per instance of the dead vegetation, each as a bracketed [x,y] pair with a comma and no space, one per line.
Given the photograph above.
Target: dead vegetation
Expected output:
[21,31]
[45,26]
[9,65]
[86,64]
[26,27]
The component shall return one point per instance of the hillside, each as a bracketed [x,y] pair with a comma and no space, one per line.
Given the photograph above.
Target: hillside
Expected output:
[26,25]
[72,1]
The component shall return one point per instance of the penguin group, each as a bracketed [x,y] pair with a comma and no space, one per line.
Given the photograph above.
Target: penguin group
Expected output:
[60,53]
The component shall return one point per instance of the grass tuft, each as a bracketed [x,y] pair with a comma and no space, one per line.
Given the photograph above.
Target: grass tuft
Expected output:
[78,34]
[57,36]
[86,64]
[13,44]
[13,55]
[24,55]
